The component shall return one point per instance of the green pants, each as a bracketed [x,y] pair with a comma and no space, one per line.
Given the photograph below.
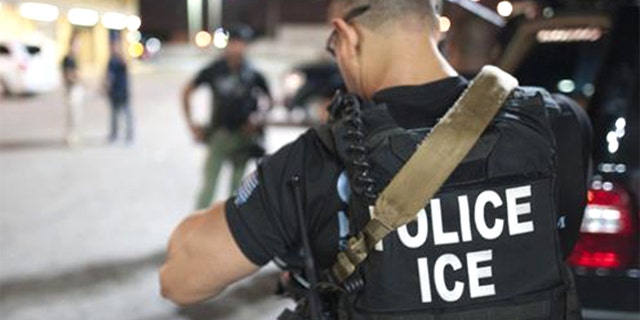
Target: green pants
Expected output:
[224,146]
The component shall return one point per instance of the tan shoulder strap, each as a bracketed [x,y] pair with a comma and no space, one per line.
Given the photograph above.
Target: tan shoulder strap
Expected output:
[430,166]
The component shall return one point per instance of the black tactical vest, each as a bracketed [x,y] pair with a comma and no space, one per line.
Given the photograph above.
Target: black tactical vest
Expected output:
[486,247]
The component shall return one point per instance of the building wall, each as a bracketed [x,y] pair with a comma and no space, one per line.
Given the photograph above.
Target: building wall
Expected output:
[94,41]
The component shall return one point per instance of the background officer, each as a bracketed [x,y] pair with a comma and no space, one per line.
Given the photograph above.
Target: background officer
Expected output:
[491,267]
[230,136]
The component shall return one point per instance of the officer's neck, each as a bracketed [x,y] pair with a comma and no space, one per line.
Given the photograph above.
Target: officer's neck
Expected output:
[418,65]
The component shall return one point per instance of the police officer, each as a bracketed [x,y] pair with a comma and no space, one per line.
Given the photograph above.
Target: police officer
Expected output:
[231,135]
[485,247]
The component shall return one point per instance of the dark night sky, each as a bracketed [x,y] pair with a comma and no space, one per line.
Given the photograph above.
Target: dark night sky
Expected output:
[166,19]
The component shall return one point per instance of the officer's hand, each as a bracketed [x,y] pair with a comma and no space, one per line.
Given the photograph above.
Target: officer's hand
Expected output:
[198,133]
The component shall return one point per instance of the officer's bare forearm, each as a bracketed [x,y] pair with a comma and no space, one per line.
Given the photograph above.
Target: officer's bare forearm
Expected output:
[202,259]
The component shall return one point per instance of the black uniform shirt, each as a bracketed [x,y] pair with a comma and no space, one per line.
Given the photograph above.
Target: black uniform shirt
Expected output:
[262,215]
[234,92]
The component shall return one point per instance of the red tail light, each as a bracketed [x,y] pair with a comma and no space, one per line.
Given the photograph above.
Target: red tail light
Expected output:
[608,229]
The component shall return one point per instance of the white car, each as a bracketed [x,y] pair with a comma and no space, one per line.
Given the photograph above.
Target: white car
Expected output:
[27,69]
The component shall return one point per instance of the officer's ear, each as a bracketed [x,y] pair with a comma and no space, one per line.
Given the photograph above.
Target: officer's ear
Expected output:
[348,41]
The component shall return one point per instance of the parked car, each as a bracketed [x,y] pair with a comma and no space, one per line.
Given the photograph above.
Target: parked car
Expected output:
[606,259]
[595,62]
[26,69]
[593,58]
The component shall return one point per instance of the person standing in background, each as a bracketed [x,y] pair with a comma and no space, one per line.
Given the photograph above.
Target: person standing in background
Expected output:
[231,136]
[74,93]
[117,85]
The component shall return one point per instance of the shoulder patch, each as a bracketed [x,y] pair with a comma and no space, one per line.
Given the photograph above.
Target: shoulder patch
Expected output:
[248,185]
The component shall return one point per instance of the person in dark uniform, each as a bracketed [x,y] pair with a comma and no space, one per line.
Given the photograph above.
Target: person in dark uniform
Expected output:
[231,135]
[485,247]
[117,85]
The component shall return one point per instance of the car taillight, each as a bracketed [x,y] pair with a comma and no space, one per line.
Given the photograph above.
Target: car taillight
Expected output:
[607,230]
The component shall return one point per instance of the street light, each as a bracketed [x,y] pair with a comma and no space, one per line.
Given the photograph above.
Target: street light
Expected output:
[505,8]
[133,23]
[39,11]
[445,24]
[83,17]
[114,20]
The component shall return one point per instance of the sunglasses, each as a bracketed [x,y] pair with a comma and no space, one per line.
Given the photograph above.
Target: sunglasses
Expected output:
[352,14]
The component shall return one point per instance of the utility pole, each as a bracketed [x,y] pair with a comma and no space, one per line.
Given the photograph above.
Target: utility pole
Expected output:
[215,14]
[194,16]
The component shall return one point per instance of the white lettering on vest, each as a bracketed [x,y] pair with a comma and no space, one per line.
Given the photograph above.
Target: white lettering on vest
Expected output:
[439,278]
[515,210]
[480,218]
[475,274]
[465,222]
[421,236]
[425,283]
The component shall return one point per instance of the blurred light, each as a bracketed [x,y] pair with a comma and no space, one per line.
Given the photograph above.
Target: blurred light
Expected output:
[114,20]
[613,146]
[445,24]
[505,8]
[136,50]
[588,90]
[203,39]
[569,35]
[566,86]
[621,123]
[293,82]
[39,11]
[220,38]
[83,17]
[134,36]
[548,12]
[133,23]
[153,45]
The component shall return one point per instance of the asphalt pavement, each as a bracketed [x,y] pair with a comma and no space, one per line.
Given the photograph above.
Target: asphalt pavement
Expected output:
[83,230]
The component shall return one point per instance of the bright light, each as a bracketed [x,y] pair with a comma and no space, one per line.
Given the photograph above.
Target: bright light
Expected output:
[153,45]
[505,8]
[220,38]
[134,36]
[293,82]
[136,50]
[588,90]
[114,20]
[569,35]
[566,86]
[445,24]
[203,39]
[621,123]
[601,219]
[133,23]
[83,17]
[39,11]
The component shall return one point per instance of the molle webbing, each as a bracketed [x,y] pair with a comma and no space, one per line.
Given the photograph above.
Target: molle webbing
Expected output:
[430,166]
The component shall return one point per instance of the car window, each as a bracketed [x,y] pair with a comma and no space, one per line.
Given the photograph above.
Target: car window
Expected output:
[567,67]
[33,50]
[4,50]
[614,109]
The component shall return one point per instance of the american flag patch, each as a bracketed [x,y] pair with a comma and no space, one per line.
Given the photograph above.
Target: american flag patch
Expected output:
[249,184]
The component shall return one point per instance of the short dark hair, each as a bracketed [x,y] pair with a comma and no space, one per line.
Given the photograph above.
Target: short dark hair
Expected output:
[382,11]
